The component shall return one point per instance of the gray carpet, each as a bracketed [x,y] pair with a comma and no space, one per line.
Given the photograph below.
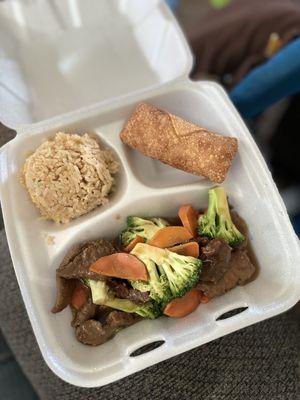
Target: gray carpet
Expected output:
[13,383]
[259,362]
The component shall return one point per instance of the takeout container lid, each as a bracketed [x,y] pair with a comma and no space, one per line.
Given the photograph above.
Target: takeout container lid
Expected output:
[83,66]
[60,56]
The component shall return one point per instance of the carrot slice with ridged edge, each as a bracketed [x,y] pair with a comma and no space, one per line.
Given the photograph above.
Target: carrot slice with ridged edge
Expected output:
[121,265]
[190,249]
[182,306]
[189,218]
[169,236]
[131,245]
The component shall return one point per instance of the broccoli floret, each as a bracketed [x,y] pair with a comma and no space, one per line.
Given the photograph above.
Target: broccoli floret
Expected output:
[160,222]
[144,227]
[157,284]
[216,221]
[170,275]
[148,310]
[102,295]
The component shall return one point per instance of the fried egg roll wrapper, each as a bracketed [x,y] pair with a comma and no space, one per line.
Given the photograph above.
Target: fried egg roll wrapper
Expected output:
[179,143]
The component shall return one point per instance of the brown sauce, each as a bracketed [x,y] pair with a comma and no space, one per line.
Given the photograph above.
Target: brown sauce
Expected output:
[242,226]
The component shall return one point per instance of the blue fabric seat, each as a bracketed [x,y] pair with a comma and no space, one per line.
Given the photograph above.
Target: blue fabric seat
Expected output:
[276,79]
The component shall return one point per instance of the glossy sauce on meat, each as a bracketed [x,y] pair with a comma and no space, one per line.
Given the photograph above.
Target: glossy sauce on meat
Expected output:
[223,268]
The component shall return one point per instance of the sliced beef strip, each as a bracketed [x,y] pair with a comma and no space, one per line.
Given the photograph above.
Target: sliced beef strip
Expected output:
[215,256]
[120,319]
[93,333]
[239,272]
[64,291]
[201,240]
[242,267]
[87,311]
[123,291]
[102,313]
[138,297]
[77,261]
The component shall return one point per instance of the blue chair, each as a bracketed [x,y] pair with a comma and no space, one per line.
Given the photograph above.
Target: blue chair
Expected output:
[277,79]
[172,4]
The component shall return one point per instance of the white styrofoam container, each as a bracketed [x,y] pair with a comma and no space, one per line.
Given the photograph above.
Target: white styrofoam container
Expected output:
[84,57]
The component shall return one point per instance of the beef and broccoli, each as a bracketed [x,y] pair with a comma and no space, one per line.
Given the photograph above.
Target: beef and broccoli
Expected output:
[156,267]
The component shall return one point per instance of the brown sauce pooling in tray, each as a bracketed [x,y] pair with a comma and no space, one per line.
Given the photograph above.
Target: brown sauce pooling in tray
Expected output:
[242,226]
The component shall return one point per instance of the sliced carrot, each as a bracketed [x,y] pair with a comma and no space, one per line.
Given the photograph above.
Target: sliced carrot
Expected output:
[183,306]
[189,218]
[136,240]
[121,265]
[190,249]
[79,296]
[169,236]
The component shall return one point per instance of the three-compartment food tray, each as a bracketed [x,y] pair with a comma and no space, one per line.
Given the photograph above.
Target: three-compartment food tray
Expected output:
[144,186]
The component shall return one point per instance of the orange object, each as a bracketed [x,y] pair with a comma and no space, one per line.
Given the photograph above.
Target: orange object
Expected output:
[169,236]
[79,296]
[183,306]
[189,218]
[136,240]
[121,265]
[204,298]
[190,249]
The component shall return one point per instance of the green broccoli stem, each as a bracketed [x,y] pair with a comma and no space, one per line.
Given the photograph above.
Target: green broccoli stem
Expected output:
[212,205]
[221,203]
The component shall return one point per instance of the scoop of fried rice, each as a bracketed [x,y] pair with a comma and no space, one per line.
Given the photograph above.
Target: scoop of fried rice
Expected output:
[68,176]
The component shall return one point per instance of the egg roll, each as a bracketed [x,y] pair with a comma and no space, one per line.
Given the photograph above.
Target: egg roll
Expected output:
[174,141]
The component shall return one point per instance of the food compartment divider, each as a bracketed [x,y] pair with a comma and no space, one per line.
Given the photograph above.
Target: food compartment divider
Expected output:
[248,181]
